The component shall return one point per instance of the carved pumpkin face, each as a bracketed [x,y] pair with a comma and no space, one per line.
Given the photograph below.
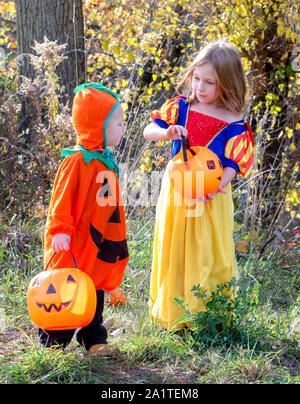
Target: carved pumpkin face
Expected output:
[61,299]
[201,176]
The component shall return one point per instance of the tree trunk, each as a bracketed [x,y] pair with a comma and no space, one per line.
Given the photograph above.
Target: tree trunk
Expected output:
[60,21]
[271,58]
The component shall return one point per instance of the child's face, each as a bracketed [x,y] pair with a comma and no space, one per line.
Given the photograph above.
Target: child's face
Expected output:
[115,127]
[204,84]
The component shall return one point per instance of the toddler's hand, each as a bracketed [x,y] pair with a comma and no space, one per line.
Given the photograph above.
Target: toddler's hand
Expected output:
[61,242]
[174,132]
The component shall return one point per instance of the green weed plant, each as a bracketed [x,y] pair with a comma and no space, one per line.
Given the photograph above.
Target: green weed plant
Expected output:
[231,318]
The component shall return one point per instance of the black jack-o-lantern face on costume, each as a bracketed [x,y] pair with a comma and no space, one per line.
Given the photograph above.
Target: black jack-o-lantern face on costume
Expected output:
[61,299]
[113,247]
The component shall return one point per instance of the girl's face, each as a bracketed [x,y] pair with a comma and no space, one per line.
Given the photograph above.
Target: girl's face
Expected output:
[115,127]
[204,84]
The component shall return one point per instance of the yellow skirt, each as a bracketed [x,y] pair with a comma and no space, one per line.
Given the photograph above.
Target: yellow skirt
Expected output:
[193,244]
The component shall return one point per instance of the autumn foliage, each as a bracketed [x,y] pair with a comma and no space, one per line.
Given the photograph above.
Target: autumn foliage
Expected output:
[139,49]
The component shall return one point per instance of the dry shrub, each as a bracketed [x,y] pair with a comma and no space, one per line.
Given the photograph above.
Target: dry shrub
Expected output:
[35,125]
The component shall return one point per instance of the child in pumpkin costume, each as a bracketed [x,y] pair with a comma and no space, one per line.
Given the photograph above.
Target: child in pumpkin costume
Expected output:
[86,213]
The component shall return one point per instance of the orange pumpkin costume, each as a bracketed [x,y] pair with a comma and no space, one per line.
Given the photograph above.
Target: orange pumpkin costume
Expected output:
[86,202]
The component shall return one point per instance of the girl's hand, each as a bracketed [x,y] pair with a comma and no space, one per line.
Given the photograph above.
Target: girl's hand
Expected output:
[174,132]
[209,197]
[61,242]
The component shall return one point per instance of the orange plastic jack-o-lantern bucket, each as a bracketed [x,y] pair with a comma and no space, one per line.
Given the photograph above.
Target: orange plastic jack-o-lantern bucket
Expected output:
[195,172]
[62,298]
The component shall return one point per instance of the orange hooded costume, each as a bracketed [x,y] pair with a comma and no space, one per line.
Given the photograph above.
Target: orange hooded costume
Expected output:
[86,202]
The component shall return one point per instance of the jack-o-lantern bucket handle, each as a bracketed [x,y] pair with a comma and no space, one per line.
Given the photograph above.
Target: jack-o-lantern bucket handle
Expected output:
[75,265]
[186,146]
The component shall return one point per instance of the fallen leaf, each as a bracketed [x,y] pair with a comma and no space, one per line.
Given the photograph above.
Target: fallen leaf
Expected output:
[116,297]
[242,246]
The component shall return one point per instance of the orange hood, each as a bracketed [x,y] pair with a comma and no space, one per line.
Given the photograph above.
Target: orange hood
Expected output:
[92,107]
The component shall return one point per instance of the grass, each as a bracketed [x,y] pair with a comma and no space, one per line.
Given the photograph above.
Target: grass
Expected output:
[149,354]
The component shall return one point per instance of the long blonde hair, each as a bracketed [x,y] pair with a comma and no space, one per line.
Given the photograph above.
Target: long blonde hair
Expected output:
[231,83]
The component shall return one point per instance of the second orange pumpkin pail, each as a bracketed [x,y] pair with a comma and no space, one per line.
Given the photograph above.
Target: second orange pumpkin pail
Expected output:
[195,172]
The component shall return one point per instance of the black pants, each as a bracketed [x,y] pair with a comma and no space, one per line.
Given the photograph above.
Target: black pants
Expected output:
[93,333]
